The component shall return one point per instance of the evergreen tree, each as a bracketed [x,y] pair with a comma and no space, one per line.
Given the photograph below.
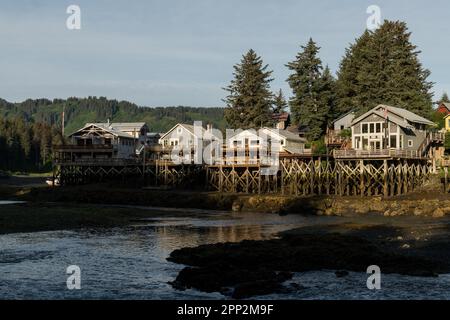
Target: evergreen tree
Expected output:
[250,99]
[327,98]
[279,103]
[383,67]
[444,98]
[348,84]
[309,107]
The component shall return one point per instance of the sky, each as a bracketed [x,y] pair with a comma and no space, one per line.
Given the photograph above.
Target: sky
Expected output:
[182,52]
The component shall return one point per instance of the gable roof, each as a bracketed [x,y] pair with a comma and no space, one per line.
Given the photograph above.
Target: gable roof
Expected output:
[403,114]
[123,126]
[344,115]
[189,128]
[128,126]
[105,128]
[288,135]
[445,104]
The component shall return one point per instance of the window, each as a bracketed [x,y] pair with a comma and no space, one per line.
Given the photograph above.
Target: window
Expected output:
[357,142]
[365,128]
[393,141]
[342,127]
[410,143]
[179,130]
[378,127]
[372,128]
[282,142]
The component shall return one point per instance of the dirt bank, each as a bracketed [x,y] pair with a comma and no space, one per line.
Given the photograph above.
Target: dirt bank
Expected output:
[425,202]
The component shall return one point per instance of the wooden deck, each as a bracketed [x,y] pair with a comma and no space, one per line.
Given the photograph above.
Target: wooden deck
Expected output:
[377,154]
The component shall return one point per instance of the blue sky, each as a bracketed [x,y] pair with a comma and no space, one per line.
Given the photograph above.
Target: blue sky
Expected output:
[181,52]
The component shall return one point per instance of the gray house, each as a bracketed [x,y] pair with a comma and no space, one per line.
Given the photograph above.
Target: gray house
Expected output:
[344,121]
[386,127]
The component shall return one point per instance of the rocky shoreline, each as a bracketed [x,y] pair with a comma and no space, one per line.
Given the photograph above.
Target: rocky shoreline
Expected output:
[429,201]
[255,268]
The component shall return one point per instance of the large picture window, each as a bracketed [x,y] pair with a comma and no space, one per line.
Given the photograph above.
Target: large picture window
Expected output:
[365,128]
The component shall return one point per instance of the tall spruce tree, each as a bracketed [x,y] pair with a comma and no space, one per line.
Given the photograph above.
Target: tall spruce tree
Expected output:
[444,98]
[328,96]
[309,103]
[348,84]
[279,102]
[383,67]
[250,99]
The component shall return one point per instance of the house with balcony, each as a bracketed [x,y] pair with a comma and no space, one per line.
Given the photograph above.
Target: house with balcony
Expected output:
[390,131]
[96,142]
[256,146]
[185,143]
[387,127]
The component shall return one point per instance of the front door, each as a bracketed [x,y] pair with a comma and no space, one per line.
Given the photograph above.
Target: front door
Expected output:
[375,144]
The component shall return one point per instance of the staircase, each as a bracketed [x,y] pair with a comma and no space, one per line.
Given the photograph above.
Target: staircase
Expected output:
[139,150]
[432,138]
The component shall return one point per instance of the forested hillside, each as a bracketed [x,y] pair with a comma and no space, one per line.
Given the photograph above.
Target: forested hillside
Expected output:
[26,146]
[78,111]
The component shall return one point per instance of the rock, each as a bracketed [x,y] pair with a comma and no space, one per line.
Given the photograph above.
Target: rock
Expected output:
[236,207]
[406,246]
[261,287]
[341,273]
[255,288]
[296,286]
[438,213]
[253,267]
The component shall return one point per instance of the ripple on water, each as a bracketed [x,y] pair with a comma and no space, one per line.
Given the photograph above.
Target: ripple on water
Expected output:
[130,262]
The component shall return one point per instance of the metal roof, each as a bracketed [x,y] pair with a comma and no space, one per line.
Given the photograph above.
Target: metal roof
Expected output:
[406,115]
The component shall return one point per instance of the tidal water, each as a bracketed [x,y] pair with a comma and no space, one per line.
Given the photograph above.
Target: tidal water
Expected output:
[130,262]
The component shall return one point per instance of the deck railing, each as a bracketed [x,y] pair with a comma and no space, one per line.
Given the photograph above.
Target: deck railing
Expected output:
[96,162]
[381,153]
[76,148]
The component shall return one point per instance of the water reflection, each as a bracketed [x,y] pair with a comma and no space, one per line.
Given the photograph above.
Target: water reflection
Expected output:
[130,262]
[5,202]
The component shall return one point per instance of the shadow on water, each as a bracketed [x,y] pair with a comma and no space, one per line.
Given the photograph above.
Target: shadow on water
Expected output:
[130,262]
